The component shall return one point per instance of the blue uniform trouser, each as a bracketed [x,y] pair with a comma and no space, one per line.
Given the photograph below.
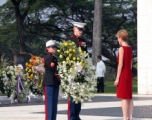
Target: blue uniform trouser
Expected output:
[75,109]
[51,99]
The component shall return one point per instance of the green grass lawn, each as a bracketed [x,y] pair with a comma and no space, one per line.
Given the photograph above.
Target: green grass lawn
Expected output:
[111,89]
[2,94]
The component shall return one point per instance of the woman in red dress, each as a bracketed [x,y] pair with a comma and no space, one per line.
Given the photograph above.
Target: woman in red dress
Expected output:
[124,75]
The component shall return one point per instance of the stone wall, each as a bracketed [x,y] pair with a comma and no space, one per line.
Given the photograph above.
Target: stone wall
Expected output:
[144,46]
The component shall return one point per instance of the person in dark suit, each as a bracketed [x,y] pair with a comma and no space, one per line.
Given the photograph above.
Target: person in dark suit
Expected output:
[75,108]
[50,81]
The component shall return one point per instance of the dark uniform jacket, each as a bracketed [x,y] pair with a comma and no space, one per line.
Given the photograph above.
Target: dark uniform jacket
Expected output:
[78,42]
[50,71]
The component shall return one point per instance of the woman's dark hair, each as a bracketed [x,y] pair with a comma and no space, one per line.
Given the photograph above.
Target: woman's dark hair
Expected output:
[99,57]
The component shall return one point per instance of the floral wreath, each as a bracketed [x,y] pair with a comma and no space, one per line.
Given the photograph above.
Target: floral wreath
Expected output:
[34,74]
[76,71]
[10,81]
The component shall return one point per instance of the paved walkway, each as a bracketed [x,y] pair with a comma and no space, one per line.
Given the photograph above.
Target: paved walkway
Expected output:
[102,107]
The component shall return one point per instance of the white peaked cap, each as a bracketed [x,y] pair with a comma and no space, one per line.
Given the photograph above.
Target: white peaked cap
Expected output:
[51,43]
[79,24]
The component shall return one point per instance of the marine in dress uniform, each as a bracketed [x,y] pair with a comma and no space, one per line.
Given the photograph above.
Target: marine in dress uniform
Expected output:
[76,37]
[75,108]
[50,82]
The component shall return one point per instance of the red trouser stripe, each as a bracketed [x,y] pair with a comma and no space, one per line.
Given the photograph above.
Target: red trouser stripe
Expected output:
[68,109]
[46,103]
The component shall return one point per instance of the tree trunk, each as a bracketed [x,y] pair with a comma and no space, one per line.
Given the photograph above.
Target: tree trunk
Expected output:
[21,36]
[20,20]
[97,27]
[20,29]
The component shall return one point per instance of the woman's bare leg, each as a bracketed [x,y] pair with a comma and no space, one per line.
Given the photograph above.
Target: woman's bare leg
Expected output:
[124,104]
[130,109]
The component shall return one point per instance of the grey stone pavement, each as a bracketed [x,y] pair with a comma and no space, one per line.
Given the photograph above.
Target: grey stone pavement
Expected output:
[102,107]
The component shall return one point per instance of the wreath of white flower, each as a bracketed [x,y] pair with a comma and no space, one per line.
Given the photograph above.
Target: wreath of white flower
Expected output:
[10,82]
[77,73]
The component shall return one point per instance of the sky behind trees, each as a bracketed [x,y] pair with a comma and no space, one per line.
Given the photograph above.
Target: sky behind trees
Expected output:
[2,2]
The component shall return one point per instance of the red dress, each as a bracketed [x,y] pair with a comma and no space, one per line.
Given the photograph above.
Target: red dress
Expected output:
[124,87]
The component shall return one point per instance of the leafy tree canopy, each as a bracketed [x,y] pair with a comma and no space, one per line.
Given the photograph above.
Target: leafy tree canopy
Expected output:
[51,19]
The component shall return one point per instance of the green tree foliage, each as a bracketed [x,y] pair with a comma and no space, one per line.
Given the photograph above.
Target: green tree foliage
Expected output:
[118,14]
[51,19]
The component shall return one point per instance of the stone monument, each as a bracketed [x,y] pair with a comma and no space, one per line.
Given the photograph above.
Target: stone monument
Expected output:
[19,59]
[144,12]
